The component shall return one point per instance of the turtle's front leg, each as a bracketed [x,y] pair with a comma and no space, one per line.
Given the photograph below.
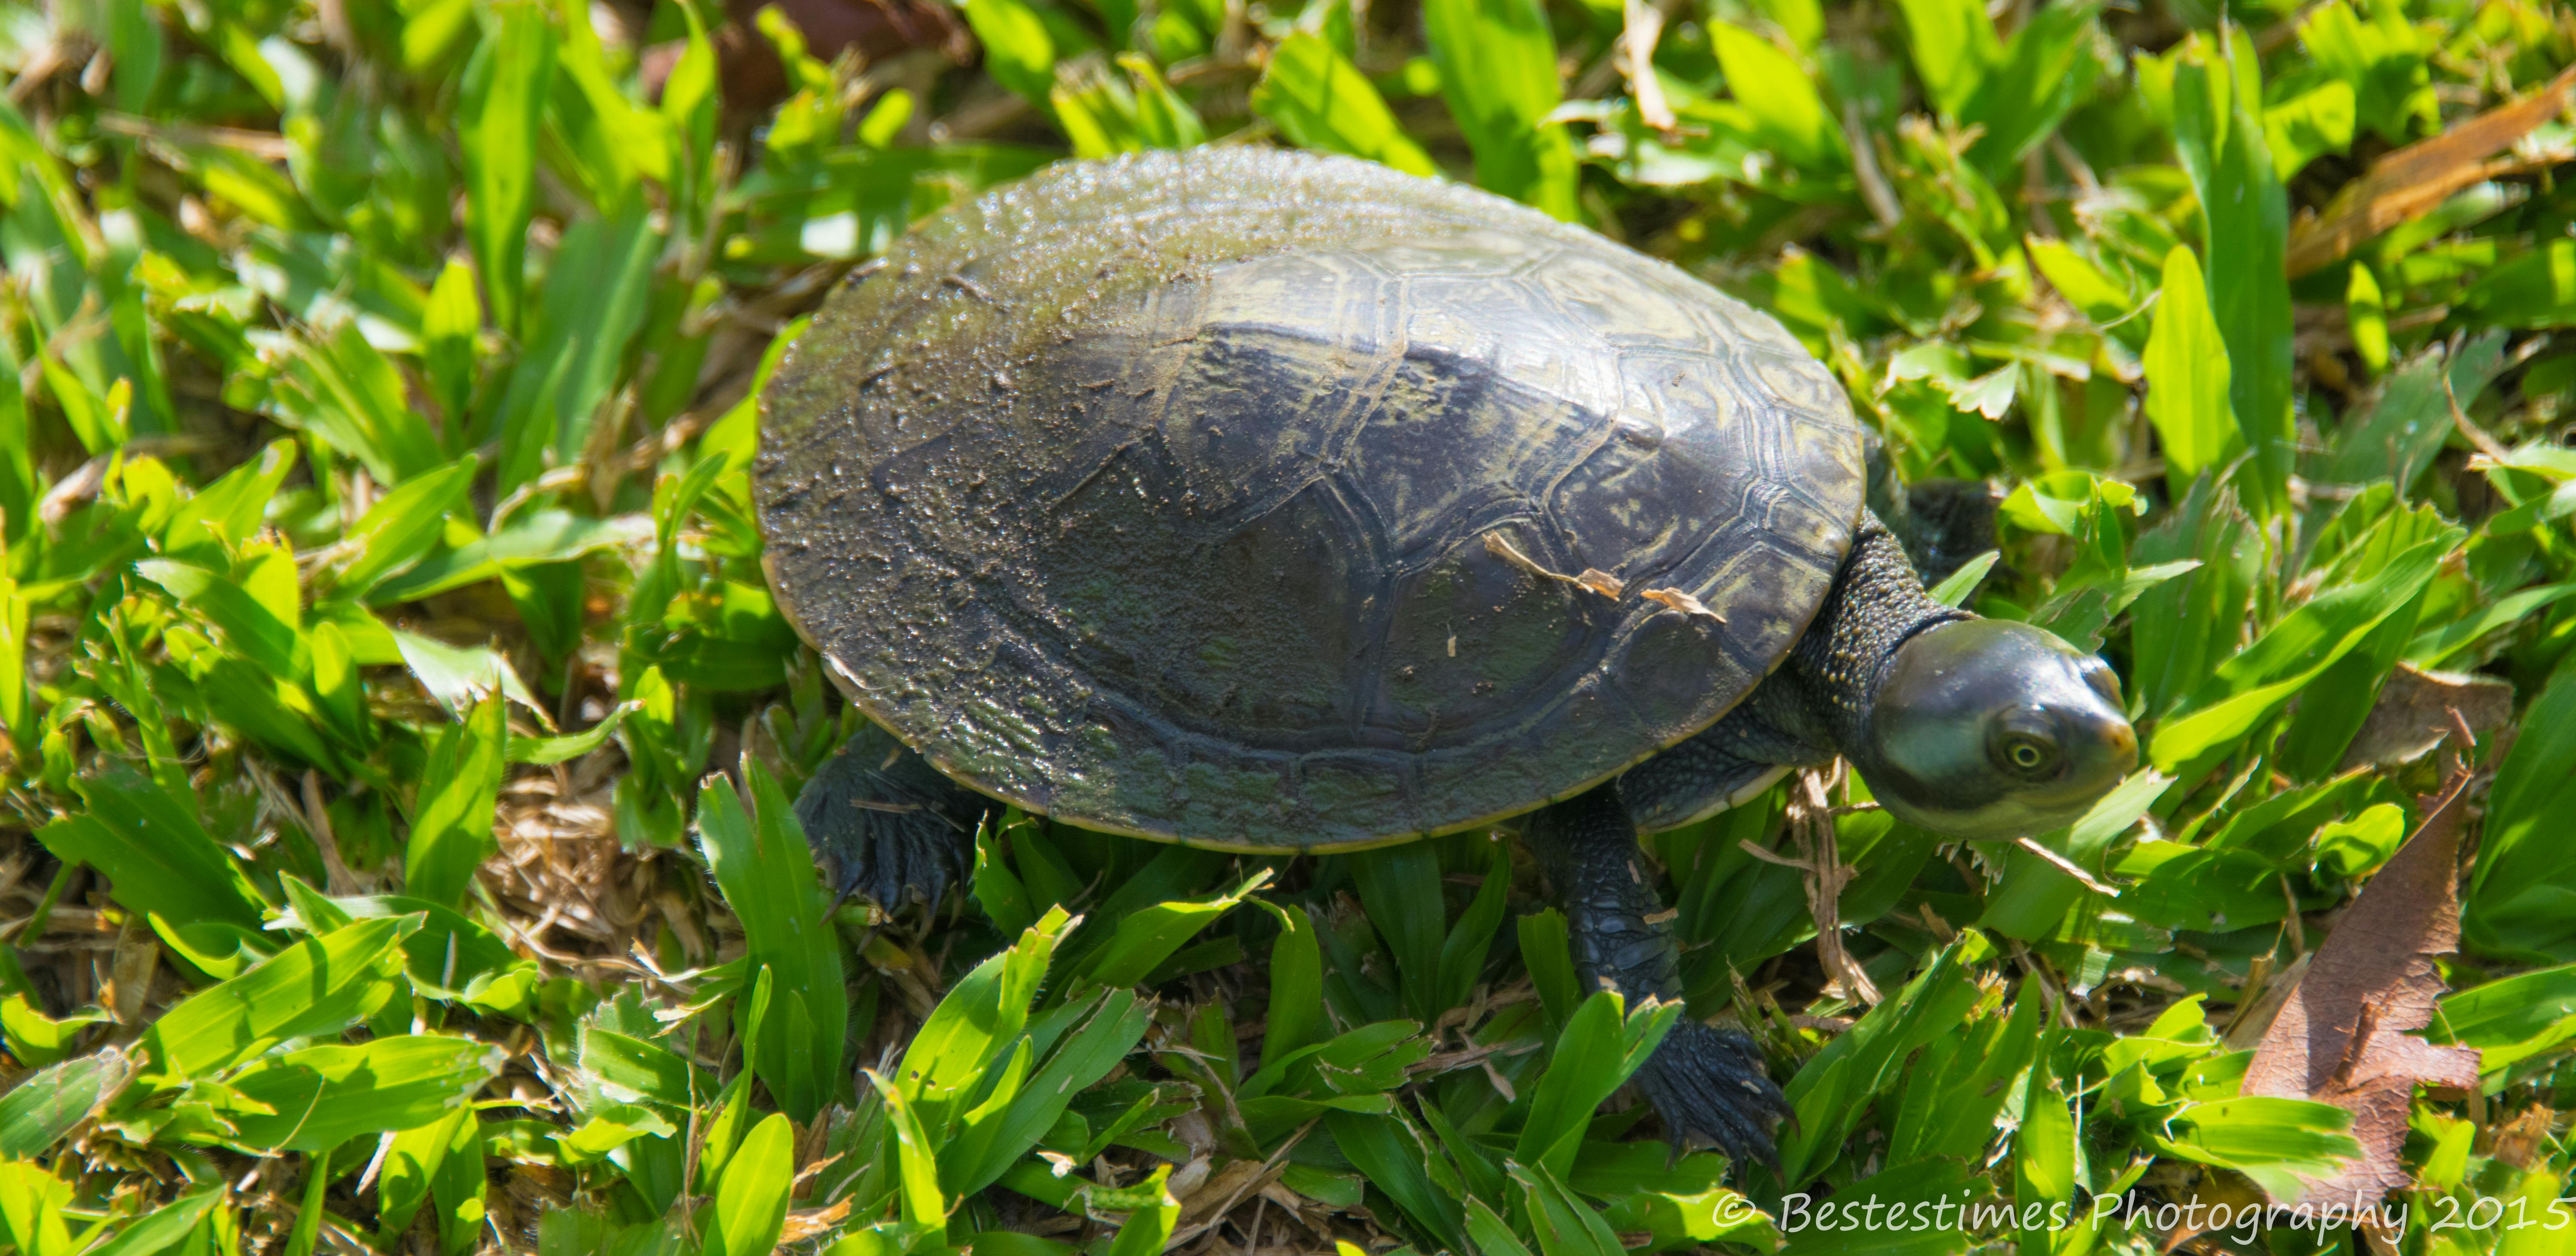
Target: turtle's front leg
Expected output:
[885,823]
[1709,1084]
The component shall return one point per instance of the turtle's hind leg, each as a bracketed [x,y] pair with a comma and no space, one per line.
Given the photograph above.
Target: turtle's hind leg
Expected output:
[1708,1084]
[885,823]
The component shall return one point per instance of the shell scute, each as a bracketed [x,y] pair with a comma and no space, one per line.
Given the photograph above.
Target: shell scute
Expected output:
[1155,494]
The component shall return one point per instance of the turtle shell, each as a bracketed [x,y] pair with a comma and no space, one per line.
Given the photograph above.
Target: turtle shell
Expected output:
[1268,501]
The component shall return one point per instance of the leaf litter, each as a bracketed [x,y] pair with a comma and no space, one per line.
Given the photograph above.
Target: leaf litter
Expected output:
[2344,1035]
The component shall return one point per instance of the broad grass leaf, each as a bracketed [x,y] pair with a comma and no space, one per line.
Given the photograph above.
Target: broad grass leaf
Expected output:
[2533,289]
[1954,44]
[1018,52]
[451,825]
[751,1200]
[504,96]
[2439,645]
[541,536]
[1146,938]
[401,527]
[44,1107]
[1401,888]
[452,956]
[2048,1157]
[1391,1151]
[594,301]
[2247,218]
[450,328]
[31,1210]
[462,676]
[17,713]
[546,751]
[2342,698]
[604,140]
[313,989]
[1600,1048]
[2034,894]
[458,1190]
[2513,1019]
[2101,296]
[2522,889]
[412,1159]
[1318,99]
[151,846]
[1109,1028]
[1961,1083]
[20,490]
[1147,1229]
[1490,1233]
[164,1227]
[1462,954]
[2188,374]
[2396,439]
[344,389]
[1833,1089]
[230,600]
[2046,70]
[324,1096]
[1296,1016]
[2183,629]
[1549,952]
[2251,687]
[979,1017]
[226,513]
[2273,1140]
[1679,1216]
[1498,72]
[733,1106]
[2308,126]
[997,889]
[767,874]
[1565,1225]
[1790,116]
[915,1157]
[39,1040]
[1955,587]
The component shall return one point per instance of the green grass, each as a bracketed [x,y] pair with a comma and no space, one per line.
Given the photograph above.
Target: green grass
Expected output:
[392,708]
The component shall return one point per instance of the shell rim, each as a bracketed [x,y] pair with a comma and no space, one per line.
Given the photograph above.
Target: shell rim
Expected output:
[851,693]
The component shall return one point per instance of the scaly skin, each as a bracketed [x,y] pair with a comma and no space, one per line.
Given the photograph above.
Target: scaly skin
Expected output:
[1710,1085]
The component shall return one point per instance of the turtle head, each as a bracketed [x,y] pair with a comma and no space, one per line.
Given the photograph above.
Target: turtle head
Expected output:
[1985,728]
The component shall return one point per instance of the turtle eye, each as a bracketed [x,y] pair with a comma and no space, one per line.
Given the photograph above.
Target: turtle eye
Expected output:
[2028,754]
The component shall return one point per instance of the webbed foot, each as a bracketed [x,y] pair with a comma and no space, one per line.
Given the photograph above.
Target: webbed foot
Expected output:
[886,824]
[1712,1089]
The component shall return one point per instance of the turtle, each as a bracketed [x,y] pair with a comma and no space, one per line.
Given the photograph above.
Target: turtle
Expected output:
[1280,502]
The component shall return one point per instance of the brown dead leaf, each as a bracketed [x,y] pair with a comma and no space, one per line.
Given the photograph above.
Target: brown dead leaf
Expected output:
[2342,1036]
[1811,824]
[805,1223]
[2408,183]
[1675,599]
[1593,579]
[2521,1141]
[2413,715]
[1644,22]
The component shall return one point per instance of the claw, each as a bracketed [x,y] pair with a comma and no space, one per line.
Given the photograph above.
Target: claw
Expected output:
[1711,1087]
